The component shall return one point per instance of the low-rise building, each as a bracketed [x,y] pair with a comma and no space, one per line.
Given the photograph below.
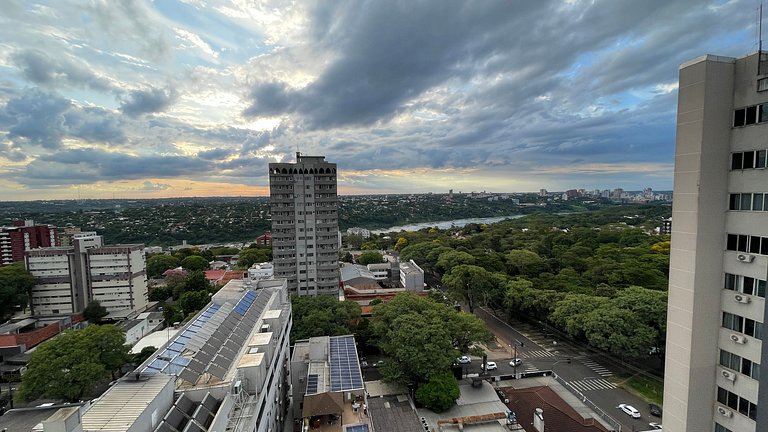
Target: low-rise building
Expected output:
[328,384]
[411,276]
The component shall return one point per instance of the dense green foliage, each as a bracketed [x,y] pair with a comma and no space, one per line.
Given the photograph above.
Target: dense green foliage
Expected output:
[370,257]
[15,283]
[194,263]
[71,365]
[324,316]
[439,393]
[158,264]
[94,312]
[422,337]
[601,277]
[254,255]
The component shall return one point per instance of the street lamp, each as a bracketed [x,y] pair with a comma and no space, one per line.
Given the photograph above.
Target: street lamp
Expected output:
[514,358]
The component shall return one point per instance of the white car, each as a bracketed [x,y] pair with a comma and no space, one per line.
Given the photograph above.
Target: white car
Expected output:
[489,366]
[630,410]
[654,425]
[465,360]
[516,362]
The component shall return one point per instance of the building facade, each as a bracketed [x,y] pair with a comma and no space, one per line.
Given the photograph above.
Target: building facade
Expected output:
[68,278]
[305,227]
[24,236]
[719,251]
[227,369]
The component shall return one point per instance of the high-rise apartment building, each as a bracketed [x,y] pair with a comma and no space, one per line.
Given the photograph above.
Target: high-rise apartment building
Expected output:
[716,375]
[68,278]
[305,224]
[23,236]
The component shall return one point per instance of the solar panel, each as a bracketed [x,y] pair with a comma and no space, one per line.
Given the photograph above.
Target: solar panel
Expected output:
[312,384]
[189,376]
[345,370]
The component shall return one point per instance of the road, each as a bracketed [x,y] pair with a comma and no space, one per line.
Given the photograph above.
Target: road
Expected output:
[540,351]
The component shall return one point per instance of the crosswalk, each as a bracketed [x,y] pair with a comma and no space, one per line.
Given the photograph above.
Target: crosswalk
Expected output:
[592,384]
[597,368]
[539,353]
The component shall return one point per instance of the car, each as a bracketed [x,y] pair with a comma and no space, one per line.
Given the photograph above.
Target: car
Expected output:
[629,410]
[489,366]
[464,359]
[655,410]
[654,425]
[364,364]
[516,362]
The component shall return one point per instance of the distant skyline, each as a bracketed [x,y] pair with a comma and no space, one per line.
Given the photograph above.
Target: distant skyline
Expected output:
[180,98]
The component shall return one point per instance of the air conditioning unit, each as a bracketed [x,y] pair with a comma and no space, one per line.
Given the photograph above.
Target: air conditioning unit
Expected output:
[740,339]
[724,411]
[730,376]
[747,258]
[741,298]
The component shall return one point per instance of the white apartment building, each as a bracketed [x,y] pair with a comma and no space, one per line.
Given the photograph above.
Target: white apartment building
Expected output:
[411,276]
[715,357]
[225,370]
[68,278]
[305,226]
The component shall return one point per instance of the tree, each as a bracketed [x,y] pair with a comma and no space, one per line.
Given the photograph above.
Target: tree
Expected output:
[195,263]
[440,393]
[71,365]
[451,259]
[144,354]
[193,301]
[196,281]
[422,337]
[526,263]
[354,240]
[323,316]
[94,312]
[15,283]
[346,257]
[158,264]
[401,243]
[619,332]
[469,282]
[249,257]
[370,257]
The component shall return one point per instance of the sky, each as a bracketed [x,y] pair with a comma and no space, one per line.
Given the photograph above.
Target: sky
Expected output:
[181,98]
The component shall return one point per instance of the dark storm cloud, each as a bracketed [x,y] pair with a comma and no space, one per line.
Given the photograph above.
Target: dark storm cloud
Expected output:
[42,69]
[214,154]
[154,100]
[43,118]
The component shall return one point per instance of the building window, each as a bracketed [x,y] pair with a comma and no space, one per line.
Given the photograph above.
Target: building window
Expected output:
[751,159]
[747,243]
[762,84]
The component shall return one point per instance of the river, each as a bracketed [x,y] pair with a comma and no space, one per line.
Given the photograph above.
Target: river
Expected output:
[445,224]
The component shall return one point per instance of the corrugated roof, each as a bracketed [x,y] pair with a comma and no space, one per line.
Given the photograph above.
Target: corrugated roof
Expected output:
[121,405]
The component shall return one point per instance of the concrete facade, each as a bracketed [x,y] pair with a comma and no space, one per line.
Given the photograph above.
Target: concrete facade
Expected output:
[68,278]
[23,236]
[305,227]
[718,267]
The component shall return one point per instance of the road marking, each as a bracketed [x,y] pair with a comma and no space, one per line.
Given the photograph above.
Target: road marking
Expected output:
[539,353]
[597,368]
[592,384]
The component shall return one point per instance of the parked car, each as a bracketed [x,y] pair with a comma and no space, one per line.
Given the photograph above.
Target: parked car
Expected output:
[630,410]
[654,425]
[465,359]
[489,366]
[655,410]
[516,362]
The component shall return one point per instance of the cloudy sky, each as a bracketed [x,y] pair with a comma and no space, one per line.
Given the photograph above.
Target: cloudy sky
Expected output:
[102,98]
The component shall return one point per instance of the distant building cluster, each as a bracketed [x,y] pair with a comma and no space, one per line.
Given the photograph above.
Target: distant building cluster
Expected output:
[23,236]
[646,195]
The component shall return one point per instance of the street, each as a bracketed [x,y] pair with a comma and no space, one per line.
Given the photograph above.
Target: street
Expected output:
[539,351]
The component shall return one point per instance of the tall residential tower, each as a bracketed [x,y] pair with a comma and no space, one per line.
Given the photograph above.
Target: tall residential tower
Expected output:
[716,375]
[305,224]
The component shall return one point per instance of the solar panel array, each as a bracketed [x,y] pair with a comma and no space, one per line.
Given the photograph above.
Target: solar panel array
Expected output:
[311,384]
[212,341]
[345,369]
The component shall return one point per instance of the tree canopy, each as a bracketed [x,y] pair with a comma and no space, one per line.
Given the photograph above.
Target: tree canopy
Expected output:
[370,257]
[94,312]
[323,316]
[70,366]
[422,337]
[158,264]
[15,283]
[249,257]
[195,263]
